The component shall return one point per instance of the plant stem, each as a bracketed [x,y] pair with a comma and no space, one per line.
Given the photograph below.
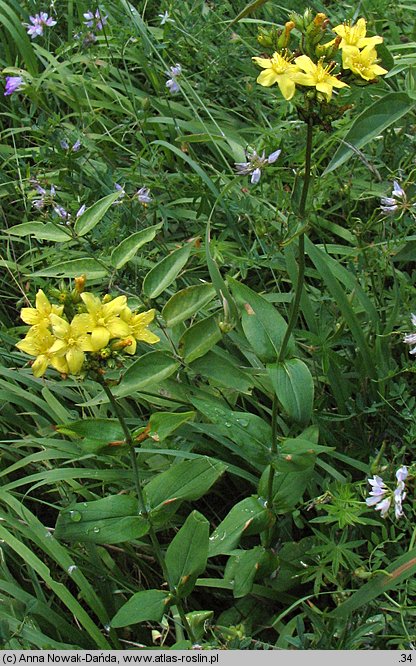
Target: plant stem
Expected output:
[294,311]
[301,245]
[274,450]
[143,508]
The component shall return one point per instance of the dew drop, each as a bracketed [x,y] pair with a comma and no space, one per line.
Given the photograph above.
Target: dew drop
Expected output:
[72,568]
[227,424]
[242,422]
[107,628]
[96,530]
[75,516]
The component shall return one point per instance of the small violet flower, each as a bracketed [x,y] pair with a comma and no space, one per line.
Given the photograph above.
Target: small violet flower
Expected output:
[381,496]
[164,18]
[396,202]
[37,23]
[81,211]
[411,338]
[97,20]
[172,82]
[255,164]
[13,84]
[143,195]
[62,213]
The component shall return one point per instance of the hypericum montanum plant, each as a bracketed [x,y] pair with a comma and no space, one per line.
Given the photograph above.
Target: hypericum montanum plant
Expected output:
[311,72]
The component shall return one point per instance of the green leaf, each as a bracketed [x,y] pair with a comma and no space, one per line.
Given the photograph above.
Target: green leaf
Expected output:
[369,124]
[397,572]
[222,369]
[250,516]
[288,487]
[293,385]
[297,454]
[188,480]
[149,369]
[263,326]
[41,231]
[248,9]
[187,554]
[147,605]
[129,246]
[100,429]
[319,259]
[94,214]
[186,303]
[163,424]
[199,338]
[91,267]
[113,519]
[251,434]
[166,271]
[244,567]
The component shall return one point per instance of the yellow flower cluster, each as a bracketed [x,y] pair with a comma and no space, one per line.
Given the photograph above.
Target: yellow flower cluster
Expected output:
[358,51]
[358,55]
[62,344]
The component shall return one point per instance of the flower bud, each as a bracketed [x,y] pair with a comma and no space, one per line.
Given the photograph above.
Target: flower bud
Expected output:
[80,283]
[284,38]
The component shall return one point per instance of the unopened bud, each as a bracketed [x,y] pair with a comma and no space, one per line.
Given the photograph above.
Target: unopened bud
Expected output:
[284,38]
[321,20]
[121,344]
[106,298]
[80,283]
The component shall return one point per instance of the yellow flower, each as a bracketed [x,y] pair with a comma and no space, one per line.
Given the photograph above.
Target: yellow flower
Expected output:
[317,75]
[38,342]
[363,63]
[104,320]
[72,340]
[138,324]
[39,316]
[354,35]
[278,69]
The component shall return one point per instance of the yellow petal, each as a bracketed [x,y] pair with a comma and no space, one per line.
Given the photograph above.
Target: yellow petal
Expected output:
[84,342]
[266,63]
[287,87]
[267,78]
[99,338]
[75,360]
[60,364]
[147,336]
[126,314]
[115,306]
[60,327]
[118,328]
[304,79]
[40,365]
[91,302]
[30,316]
[305,63]
[379,71]
[340,30]
[58,348]
[29,346]
[369,41]
[82,323]
[326,88]
[42,303]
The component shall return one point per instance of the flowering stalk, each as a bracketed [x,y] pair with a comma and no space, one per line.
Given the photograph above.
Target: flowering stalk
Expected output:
[294,310]
[143,508]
